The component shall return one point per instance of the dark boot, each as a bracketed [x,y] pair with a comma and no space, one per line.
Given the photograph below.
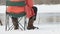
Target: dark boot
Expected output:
[15,23]
[33,27]
[30,24]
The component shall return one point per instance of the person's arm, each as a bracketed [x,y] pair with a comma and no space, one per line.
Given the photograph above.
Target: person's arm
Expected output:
[29,3]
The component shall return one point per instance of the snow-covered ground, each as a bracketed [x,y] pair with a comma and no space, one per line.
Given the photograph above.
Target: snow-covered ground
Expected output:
[2,9]
[41,8]
[44,26]
[48,8]
[44,29]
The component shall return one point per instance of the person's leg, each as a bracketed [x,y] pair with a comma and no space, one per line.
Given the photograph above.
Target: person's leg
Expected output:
[30,23]
[15,23]
[32,19]
[35,11]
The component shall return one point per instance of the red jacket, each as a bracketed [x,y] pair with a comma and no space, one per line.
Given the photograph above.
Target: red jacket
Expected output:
[17,9]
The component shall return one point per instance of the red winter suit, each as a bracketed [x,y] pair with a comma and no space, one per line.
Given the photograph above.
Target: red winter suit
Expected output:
[18,9]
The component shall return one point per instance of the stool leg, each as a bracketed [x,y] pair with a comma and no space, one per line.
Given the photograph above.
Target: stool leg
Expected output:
[7,22]
[20,25]
[25,23]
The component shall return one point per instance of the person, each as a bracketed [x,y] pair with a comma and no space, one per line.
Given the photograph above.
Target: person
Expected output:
[29,10]
[32,19]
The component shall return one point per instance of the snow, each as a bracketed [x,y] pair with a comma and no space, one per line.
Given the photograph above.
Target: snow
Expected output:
[44,28]
[41,8]
[48,8]
[2,9]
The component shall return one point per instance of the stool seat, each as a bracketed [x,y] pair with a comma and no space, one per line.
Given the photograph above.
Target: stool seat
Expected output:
[17,15]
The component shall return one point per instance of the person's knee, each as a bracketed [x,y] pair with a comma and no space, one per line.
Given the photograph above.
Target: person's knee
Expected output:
[35,9]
